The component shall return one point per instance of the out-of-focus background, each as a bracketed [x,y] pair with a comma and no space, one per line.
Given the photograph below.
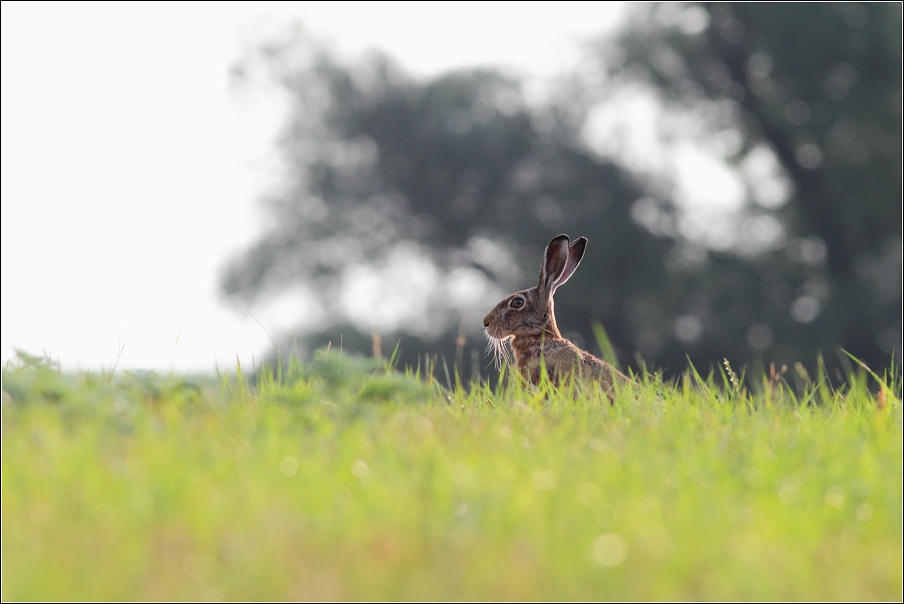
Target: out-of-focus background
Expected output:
[183,184]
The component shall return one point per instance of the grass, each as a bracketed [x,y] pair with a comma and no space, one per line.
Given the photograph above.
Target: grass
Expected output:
[343,479]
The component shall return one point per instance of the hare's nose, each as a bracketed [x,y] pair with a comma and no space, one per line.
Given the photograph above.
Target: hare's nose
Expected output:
[486,321]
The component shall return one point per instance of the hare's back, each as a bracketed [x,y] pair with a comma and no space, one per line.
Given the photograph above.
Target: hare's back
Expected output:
[598,370]
[566,359]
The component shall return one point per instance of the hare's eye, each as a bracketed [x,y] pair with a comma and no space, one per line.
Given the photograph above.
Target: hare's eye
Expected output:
[517,302]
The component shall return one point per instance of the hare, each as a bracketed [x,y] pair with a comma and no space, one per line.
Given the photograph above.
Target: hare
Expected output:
[528,319]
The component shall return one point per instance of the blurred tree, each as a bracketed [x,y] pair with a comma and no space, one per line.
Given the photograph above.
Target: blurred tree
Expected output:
[409,208]
[443,192]
[818,87]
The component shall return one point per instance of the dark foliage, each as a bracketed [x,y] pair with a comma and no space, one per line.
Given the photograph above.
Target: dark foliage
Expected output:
[461,172]
[820,85]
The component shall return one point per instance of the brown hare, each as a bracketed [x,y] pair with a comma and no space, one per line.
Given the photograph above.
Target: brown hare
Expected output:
[527,319]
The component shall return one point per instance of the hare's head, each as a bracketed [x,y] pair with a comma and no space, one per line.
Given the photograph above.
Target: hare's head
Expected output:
[530,311]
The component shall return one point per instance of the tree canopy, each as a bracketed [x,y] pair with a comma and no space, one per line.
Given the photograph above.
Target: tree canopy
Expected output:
[410,207]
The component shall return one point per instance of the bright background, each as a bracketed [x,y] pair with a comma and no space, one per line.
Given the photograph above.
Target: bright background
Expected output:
[131,168]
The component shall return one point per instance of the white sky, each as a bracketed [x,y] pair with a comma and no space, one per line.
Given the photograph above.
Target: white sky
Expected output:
[130,171]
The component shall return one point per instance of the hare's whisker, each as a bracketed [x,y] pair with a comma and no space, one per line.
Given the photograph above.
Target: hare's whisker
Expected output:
[499,349]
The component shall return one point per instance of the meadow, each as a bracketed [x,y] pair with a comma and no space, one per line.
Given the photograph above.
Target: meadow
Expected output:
[342,478]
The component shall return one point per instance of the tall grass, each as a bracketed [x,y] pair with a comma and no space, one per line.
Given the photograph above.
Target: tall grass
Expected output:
[345,479]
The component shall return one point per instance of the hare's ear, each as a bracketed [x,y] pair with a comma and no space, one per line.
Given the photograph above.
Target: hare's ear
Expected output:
[554,262]
[575,253]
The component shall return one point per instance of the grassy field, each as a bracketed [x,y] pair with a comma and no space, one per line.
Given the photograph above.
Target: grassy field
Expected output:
[345,480]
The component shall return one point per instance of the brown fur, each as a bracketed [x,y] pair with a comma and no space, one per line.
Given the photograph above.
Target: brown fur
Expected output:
[527,319]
